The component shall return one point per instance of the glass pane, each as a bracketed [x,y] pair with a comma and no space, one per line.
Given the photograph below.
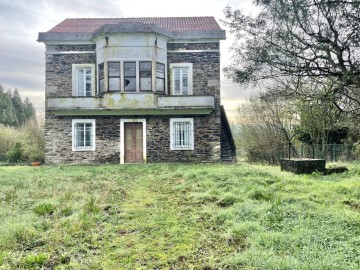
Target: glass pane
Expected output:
[88,82]
[130,68]
[114,69]
[145,84]
[88,135]
[145,66]
[160,70]
[101,86]
[101,70]
[177,72]
[80,85]
[114,84]
[181,134]
[145,74]
[177,87]
[79,134]
[160,85]
[130,84]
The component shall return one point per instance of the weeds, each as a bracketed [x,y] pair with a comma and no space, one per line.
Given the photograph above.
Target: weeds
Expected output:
[206,216]
[44,209]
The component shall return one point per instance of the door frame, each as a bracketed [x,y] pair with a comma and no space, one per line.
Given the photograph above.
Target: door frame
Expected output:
[122,136]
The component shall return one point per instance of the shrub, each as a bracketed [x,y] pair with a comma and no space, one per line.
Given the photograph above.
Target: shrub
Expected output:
[16,153]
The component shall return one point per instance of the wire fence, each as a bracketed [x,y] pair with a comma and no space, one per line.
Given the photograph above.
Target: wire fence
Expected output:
[273,153]
[329,152]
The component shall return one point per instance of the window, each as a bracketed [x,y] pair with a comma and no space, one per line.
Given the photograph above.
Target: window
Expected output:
[145,76]
[181,78]
[83,133]
[130,76]
[181,134]
[114,76]
[101,78]
[160,77]
[83,76]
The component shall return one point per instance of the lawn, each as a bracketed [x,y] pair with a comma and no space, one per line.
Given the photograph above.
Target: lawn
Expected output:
[204,216]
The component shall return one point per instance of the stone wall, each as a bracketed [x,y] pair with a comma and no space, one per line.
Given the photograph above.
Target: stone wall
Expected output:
[58,72]
[206,81]
[58,141]
[300,166]
[58,137]
[206,140]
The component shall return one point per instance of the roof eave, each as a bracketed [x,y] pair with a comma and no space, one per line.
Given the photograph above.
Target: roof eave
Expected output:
[64,36]
[200,34]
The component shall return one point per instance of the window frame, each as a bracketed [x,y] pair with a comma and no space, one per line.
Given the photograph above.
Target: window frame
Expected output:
[172,135]
[93,139]
[110,76]
[75,79]
[136,77]
[190,78]
[151,76]
[101,78]
[159,78]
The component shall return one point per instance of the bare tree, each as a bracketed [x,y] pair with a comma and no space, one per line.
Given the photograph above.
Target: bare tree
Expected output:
[304,41]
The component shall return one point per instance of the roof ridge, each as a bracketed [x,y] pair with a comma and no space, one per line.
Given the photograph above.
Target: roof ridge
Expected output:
[176,24]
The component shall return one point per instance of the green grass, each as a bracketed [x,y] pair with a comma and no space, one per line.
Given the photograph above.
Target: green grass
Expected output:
[205,216]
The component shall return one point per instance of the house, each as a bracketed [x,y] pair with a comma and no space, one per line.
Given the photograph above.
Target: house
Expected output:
[128,90]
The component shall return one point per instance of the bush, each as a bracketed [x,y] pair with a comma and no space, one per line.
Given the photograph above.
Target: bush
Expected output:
[22,144]
[16,153]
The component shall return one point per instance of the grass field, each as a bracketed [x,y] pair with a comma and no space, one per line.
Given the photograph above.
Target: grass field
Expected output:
[206,216]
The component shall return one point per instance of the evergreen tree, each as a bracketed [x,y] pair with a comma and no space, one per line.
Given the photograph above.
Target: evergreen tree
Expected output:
[29,110]
[7,113]
[18,107]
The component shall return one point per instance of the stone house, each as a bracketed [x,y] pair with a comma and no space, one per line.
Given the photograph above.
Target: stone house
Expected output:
[128,90]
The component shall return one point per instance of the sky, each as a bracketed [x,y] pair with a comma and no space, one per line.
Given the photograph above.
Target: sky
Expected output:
[22,58]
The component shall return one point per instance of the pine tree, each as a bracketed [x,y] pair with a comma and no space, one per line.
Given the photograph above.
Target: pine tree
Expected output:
[29,110]
[19,107]
[7,113]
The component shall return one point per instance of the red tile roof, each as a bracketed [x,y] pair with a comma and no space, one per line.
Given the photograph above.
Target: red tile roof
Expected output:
[176,24]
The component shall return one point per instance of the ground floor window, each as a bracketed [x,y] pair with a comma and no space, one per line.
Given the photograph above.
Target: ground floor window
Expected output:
[181,134]
[83,134]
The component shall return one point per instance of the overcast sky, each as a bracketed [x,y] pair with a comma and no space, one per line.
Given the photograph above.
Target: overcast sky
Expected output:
[22,59]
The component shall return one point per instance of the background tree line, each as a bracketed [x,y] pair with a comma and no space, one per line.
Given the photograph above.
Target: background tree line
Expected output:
[21,136]
[304,57]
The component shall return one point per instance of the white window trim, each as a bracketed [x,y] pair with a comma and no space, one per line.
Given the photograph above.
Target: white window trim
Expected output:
[122,134]
[181,65]
[83,121]
[75,68]
[172,120]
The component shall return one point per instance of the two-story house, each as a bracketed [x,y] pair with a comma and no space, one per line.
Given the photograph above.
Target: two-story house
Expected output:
[127,90]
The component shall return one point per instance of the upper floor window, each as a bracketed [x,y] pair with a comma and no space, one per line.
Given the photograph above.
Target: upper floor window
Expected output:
[114,76]
[101,78]
[83,76]
[181,78]
[160,77]
[145,76]
[130,76]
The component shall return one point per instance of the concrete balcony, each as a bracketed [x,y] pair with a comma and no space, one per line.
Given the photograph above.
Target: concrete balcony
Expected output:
[131,104]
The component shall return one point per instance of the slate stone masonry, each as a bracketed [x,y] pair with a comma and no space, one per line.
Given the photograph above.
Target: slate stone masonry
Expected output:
[58,138]
[207,128]
[58,71]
